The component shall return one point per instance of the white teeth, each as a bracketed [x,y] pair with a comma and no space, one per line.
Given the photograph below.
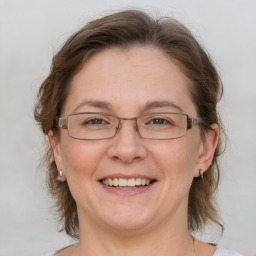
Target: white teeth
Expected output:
[115,182]
[110,182]
[137,182]
[131,183]
[122,182]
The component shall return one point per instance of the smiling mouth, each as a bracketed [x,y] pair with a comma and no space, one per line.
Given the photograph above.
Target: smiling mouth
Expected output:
[121,183]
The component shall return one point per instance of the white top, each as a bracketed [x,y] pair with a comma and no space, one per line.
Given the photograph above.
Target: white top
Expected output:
[220,251]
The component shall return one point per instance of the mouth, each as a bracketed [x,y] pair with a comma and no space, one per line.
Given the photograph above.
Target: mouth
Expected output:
[124,184]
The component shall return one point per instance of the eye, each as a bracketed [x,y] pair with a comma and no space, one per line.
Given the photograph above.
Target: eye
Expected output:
[96,121]
[159,121]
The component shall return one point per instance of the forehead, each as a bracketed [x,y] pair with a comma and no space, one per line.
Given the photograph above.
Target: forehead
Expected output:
[128,79]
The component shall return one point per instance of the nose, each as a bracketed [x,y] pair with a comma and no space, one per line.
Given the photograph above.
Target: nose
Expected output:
[127,145]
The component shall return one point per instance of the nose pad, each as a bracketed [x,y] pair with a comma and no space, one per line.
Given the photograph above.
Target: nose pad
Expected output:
[136,129]
[117,129]
[126,146]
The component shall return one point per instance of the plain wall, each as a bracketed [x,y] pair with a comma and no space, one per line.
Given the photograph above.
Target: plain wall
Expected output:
[31,31]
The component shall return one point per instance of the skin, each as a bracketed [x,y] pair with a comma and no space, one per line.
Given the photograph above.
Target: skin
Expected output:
[149,223]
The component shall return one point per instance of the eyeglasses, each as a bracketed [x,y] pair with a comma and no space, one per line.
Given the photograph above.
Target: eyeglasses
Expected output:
[154,126]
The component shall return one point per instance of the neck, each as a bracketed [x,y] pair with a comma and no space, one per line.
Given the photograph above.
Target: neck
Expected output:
[164,240]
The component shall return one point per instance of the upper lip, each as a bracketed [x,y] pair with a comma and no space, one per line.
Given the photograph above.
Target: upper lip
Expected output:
[126,176]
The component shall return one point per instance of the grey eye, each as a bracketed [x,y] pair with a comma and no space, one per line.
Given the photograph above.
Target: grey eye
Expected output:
[96,121]
[159,121]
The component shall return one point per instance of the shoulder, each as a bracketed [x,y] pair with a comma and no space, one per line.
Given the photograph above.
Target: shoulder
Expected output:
[64,251]
[220,251]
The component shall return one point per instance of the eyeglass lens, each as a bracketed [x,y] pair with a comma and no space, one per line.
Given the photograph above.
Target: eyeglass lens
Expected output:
[93,126]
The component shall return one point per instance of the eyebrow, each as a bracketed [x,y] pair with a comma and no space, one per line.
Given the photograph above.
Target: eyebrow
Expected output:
[148,106]
[160,104]
[94,103]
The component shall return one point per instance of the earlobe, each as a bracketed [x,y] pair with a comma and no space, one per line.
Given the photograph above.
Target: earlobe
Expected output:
[207,149]
[56,151]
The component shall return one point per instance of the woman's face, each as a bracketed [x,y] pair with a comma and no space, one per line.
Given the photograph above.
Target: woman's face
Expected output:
[123,83]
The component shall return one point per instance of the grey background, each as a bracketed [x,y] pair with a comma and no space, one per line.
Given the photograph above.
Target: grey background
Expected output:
[31,31]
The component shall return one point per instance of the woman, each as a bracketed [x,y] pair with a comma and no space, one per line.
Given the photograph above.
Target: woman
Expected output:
[129,108]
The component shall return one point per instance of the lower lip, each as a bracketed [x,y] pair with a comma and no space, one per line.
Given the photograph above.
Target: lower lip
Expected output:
[128,192]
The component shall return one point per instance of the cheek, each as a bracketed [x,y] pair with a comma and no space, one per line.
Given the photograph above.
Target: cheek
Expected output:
[177,159]
[81,158]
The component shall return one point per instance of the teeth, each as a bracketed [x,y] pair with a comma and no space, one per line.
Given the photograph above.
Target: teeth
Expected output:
[110,182]
[122,183]
[137,182]
[115,182]
[131,183]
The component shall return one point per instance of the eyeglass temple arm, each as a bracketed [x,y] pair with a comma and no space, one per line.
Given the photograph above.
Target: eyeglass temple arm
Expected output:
[62,123]
[192,121]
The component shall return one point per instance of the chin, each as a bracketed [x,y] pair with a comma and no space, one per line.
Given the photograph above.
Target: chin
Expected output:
[127,219]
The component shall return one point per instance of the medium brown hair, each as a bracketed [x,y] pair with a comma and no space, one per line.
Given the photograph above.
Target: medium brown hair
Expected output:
[124,30]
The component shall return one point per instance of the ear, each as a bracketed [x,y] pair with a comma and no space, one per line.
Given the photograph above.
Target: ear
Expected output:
[56,152]
[207,149]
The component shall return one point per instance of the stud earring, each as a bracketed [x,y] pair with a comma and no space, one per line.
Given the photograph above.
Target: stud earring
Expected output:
[201,172]
[59,177]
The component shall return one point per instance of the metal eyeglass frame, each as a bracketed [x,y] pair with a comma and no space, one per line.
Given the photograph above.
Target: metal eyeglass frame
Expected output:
[62,122]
